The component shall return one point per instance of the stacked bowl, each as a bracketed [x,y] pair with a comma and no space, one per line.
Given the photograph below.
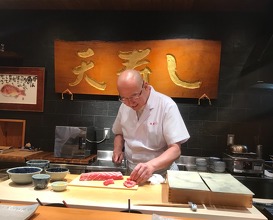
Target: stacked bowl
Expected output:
[219,166]
[201,164]
[44,164]
[211,162]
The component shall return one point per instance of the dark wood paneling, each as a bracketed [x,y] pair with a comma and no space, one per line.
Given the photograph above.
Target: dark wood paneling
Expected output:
[136,5]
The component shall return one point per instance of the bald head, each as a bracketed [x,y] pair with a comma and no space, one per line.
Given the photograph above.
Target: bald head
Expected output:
[129,78]
[132,89]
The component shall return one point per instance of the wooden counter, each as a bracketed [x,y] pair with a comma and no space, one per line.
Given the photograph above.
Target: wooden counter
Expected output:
[116,200]
[45,213]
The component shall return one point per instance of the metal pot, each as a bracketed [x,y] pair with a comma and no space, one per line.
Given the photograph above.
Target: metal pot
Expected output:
[238,149]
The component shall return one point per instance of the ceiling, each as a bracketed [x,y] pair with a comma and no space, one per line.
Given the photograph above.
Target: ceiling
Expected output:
[140,5]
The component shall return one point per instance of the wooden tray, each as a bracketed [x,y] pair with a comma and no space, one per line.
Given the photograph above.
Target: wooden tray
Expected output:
[117,185]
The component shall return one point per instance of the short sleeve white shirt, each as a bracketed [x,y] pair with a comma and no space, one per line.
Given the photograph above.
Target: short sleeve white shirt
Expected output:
[159,125]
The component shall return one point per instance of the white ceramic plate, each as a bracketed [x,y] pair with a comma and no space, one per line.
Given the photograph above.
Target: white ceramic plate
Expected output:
[9,212]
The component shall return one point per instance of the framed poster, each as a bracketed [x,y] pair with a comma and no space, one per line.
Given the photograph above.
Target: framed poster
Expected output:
[22,88]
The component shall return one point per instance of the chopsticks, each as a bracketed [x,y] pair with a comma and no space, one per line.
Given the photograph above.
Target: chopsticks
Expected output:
[129,205]
[41,204]
[65,204]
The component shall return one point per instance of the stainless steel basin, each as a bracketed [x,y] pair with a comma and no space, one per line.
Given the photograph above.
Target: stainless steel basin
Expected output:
[104,163]
[186,163]
[186,160]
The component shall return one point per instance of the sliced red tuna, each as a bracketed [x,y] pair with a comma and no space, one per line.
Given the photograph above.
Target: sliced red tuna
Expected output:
[129,183]
[101,176]
[108,182]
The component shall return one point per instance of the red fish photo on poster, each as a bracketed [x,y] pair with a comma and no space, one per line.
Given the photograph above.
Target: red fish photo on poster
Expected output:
[22,88]
[18,89]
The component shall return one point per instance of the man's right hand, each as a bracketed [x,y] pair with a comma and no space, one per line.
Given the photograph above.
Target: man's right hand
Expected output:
[117,157]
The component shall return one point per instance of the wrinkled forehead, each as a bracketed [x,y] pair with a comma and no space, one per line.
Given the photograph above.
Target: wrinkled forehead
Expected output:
[127,90]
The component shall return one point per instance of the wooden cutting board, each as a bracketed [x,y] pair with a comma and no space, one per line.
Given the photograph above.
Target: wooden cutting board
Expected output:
[6,149]
[50,156]
[186,180]
[118,184]
[17,155]
[22,153]
[224,183]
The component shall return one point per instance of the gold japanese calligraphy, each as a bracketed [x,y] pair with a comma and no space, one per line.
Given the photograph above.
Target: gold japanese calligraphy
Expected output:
[185,68]
[84,54]
[83,68]
[172,72]
[135,59]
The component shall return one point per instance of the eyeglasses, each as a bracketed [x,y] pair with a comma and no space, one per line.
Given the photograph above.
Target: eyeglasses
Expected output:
[133,97]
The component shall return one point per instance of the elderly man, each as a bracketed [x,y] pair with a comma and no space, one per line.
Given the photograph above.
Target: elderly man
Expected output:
[149,129]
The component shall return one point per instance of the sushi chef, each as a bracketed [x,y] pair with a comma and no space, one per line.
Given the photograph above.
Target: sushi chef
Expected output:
[148,128]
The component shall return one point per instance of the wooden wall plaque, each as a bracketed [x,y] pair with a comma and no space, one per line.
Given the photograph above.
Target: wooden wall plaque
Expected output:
[181,68]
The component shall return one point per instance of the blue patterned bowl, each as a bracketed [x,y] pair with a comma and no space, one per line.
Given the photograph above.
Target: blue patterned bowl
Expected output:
[23,175]
[40,181]
[57,173]
[44,164]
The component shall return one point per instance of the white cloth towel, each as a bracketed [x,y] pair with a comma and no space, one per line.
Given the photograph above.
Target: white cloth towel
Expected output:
[156,179]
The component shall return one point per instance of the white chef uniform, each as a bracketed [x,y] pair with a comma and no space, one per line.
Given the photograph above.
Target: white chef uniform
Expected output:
[145,138]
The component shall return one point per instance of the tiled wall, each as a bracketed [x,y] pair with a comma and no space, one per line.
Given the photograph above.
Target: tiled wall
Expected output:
[238,110]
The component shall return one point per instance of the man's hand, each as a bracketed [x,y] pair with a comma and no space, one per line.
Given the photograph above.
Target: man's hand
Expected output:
[142,172]
[117,157]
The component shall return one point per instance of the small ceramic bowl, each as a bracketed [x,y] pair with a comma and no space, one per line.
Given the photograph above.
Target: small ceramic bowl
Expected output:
[59,186]
[23,175]
[57,173]
[40,181]
[44,164]
[219,166]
